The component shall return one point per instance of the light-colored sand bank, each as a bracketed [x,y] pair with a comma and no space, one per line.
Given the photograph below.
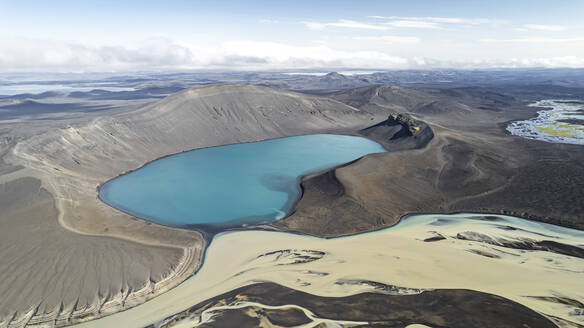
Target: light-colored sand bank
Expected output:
[396,256]
[98,260]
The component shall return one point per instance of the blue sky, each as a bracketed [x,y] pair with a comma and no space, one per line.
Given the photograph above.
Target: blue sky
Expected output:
[277,35]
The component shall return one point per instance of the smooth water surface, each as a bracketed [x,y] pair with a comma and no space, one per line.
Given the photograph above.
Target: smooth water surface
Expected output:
[231,185]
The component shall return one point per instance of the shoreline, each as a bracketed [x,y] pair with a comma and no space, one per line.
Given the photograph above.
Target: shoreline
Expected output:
[289,206]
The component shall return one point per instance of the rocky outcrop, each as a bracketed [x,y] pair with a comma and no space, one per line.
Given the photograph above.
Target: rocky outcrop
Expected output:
[325,195]
[411,125]
[400,132]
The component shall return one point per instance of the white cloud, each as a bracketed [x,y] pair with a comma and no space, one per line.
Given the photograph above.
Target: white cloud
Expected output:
[344,23]
[388,22]
[444,20]
[314,25]
[550,62]
[526,62]
[554,62]
[413,24]
[400,23]
[538,27]
[27,53]
[390,39]
[164,54]
[267,21]
[535,40]
[279,55]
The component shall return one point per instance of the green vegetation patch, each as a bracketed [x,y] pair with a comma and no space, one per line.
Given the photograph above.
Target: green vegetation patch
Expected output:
[561,129]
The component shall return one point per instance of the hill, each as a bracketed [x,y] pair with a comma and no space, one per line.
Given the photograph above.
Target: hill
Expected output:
[140,260]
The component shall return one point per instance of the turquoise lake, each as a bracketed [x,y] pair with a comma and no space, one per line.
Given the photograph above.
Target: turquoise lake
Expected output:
[233,185]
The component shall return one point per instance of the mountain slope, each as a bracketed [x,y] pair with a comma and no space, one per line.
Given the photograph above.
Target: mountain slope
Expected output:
[72,162]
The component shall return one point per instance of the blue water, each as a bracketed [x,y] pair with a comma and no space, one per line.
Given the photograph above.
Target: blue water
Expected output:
[233,185]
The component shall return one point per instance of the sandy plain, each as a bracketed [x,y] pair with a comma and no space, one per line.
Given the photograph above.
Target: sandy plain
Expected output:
[401,257]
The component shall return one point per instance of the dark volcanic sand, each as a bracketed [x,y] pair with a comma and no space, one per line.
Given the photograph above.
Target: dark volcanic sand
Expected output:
[470,165]
[438,308]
